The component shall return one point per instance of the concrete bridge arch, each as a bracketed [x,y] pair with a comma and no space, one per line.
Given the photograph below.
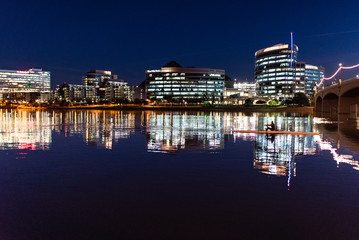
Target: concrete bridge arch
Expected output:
[340,98]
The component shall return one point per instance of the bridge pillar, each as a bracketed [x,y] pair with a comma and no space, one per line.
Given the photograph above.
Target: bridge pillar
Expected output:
[353,111]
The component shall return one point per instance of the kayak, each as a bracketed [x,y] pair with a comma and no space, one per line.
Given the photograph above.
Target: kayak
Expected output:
[275,132]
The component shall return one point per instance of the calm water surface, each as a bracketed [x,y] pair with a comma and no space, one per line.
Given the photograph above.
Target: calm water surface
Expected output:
[176,175]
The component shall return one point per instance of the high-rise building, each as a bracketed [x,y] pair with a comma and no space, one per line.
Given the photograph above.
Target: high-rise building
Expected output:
[19,85]
[275,72]
[180,83]
[279,75]
[313,76]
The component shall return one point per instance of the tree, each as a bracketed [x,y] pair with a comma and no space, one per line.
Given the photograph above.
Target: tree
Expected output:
[260,102]
[300,99]
[273,103]
[287,102]
[228,82]
[248,101]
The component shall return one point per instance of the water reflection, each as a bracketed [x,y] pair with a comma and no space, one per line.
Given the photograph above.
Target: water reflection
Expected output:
[275,154]
[25,130]
[171,132]
[336,136]
[99,128]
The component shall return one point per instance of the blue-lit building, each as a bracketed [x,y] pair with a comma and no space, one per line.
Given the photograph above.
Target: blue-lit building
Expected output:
[275,72]
[185,84]
[279,75]
[313,76]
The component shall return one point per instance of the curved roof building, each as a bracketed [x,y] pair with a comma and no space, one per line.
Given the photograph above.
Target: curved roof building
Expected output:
[277,72]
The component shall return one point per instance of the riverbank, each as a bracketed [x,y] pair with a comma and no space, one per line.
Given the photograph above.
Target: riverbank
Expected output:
[238,108]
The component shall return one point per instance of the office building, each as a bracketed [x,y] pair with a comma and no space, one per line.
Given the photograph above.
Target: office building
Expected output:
[279,75]
[242,89]
[185,84]
[24,85]
[139,92]
[73,92]
[313,76]
[108,87]
[94,77]
[275,72]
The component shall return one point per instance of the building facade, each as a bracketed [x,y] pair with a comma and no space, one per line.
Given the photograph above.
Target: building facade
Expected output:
[241,89]
[275,72]
[279,75]
[24,85]
[108,87]
[313,76]
[74,92]
[94,77]
[185,84]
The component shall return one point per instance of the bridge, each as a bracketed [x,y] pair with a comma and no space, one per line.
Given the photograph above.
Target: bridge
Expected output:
[337,99]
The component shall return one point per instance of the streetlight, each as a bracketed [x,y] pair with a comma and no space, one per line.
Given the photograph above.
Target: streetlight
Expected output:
[340,74]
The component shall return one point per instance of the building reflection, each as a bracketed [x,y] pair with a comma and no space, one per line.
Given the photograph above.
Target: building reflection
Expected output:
[275,154]
[98,128]
[169,132]
[25,130]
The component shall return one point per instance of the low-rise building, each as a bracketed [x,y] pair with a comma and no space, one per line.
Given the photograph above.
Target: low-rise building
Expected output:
[26,85]
[185,84]
[240,92]
[74,92]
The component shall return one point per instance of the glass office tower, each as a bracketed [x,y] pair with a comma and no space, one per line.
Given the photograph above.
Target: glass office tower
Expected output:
[313,76]
[275,72]
[189,84]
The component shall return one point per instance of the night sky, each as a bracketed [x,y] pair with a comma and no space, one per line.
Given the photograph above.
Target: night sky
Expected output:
[69,38]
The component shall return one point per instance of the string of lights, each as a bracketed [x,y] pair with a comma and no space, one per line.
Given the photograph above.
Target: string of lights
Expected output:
[336,72]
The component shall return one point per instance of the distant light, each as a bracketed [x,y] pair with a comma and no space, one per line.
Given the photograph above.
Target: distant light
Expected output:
[23,72]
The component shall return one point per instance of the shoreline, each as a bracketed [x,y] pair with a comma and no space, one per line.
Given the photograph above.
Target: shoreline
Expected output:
[132,107]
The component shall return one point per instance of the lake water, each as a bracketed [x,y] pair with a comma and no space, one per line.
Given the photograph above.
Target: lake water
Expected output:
[176,175]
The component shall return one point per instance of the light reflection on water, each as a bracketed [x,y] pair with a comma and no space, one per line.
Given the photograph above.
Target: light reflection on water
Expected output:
[170,132]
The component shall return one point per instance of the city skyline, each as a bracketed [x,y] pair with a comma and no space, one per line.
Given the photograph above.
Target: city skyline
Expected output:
[128,38]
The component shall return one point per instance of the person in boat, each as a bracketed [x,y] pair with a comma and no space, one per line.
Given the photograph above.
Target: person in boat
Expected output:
[270,137]
[270,127]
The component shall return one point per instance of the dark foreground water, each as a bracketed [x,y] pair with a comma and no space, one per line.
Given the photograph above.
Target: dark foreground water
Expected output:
[176,175]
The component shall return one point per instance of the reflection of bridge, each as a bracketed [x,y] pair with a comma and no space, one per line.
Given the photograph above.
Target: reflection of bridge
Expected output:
[341,98]
[343,134]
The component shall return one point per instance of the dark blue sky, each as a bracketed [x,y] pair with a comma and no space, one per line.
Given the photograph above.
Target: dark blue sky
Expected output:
[69,38]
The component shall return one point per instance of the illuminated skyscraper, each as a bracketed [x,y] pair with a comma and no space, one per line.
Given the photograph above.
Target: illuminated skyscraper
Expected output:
[280,76]
[274,74]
